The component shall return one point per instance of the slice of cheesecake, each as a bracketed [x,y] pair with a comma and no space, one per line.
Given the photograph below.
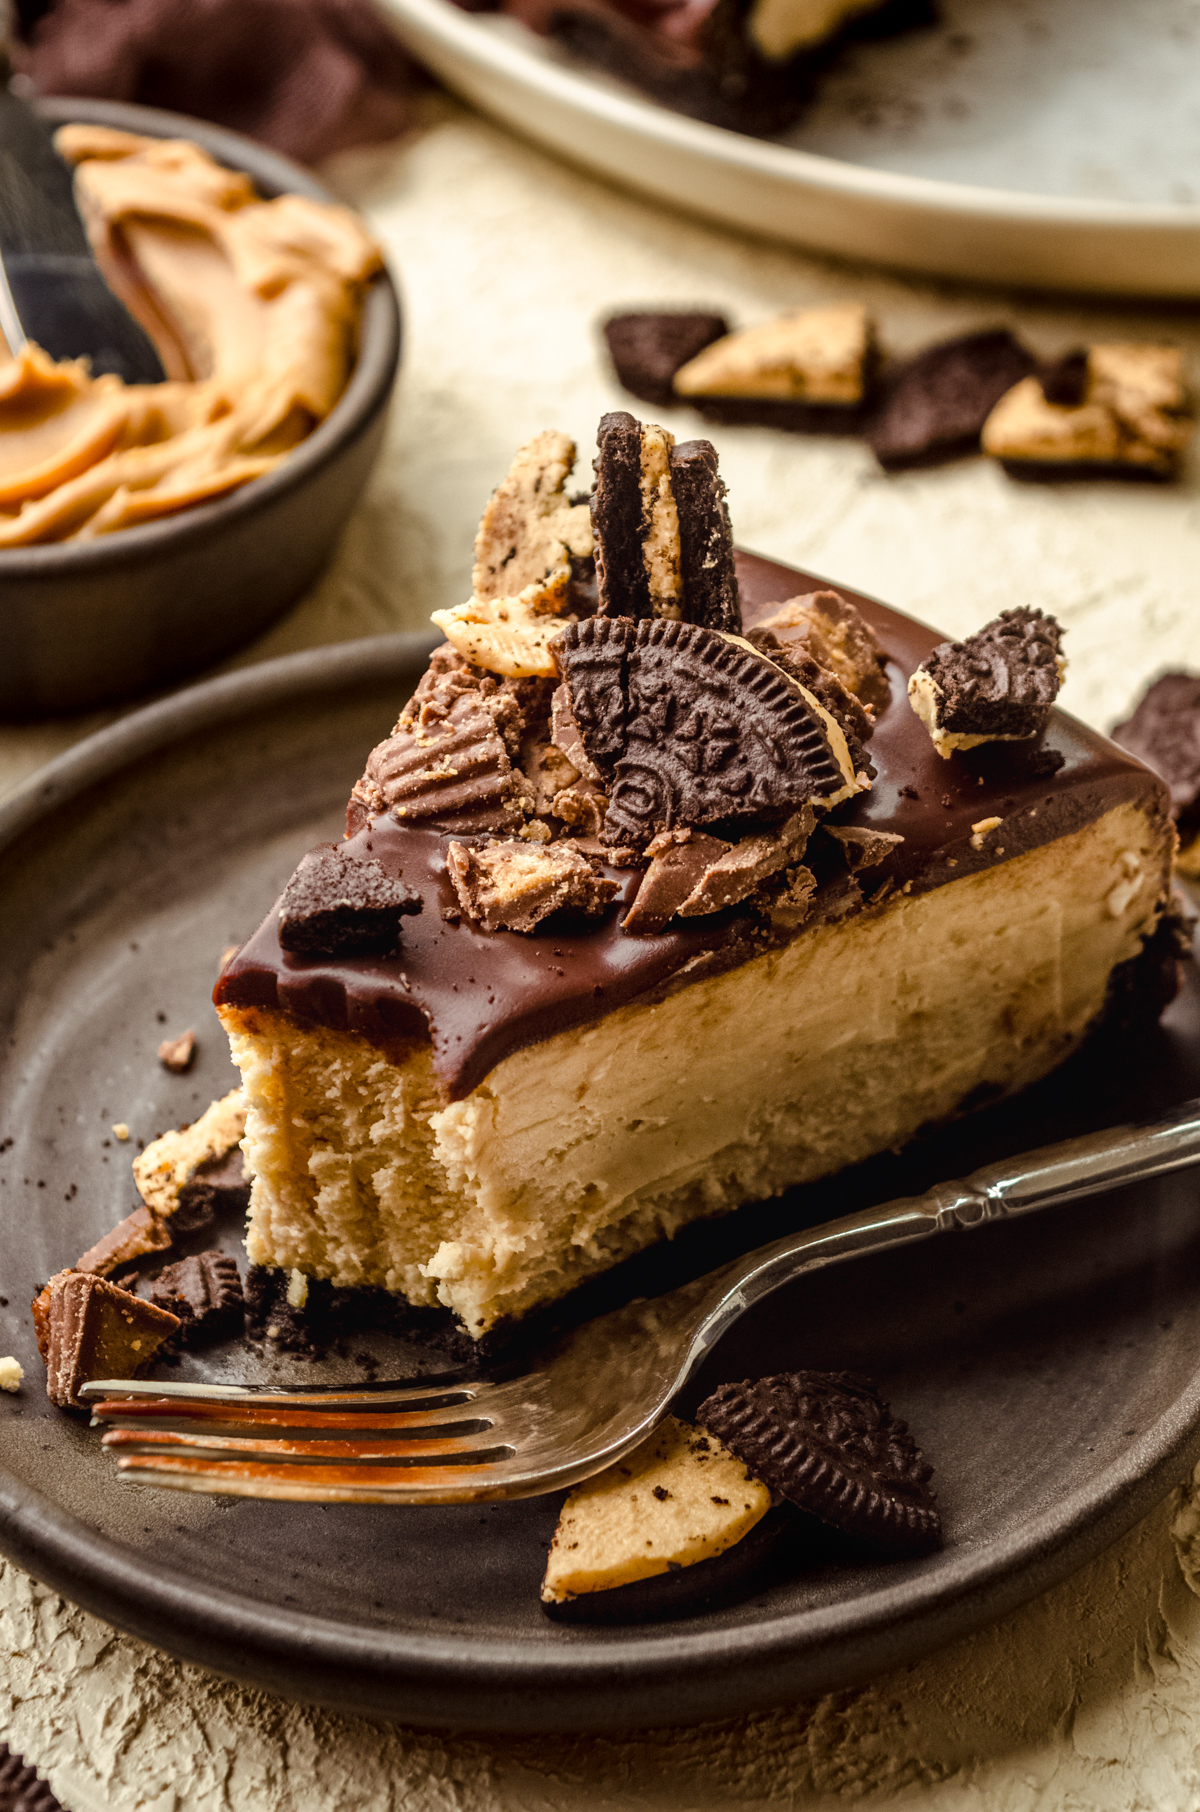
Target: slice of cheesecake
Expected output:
[736,924]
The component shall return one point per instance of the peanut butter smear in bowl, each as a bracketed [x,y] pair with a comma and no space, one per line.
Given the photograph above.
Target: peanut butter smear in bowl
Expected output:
[254,306]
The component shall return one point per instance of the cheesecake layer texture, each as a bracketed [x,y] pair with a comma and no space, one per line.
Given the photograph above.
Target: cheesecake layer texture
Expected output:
[484,1118]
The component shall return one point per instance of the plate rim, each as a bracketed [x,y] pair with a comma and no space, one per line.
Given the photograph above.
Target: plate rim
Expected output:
[664,1674]
[765,156]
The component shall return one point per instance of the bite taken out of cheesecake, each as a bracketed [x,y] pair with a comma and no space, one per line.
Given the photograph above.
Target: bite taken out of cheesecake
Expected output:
[667,911]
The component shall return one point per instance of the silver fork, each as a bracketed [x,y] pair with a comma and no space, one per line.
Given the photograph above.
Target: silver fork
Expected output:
[597,1394]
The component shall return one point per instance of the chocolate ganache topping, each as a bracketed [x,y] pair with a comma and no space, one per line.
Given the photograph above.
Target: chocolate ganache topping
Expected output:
[479,995]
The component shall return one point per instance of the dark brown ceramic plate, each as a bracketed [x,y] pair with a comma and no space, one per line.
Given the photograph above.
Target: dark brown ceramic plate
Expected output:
[1048,1367]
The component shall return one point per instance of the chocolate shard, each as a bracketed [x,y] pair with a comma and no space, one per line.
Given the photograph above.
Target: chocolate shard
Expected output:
[832,631]
[97,1330]
[178,1054]
[335,904]
[710,588]
[449,762]
[647,348]
[21,1788]
[692,728]
[204,1291]
[864,848]
[138,1236]
[936,403]
[513,886]
[997,686]
[829,1443]
[1164,732]
[691,874]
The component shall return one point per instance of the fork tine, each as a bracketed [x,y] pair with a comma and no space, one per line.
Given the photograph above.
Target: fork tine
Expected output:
[264,1414]
[145,1440]
[402,1396]
[315,1484]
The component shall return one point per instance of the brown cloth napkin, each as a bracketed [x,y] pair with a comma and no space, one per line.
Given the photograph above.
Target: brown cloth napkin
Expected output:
[309,77]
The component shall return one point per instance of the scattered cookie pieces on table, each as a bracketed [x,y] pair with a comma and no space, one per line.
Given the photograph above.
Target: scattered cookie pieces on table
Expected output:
[1108,411]
[1164,732]
[21,1787]
[648,347]
[12,1374]
[178,1054]
[996,686]
[829,1443]
[1114,411]
[936,402]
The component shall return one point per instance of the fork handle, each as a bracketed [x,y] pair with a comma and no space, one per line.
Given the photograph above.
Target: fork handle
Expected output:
[1021,1185]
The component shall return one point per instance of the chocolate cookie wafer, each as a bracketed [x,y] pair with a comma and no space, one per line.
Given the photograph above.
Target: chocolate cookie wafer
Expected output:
[829,1443]
[710,590]
[664,546]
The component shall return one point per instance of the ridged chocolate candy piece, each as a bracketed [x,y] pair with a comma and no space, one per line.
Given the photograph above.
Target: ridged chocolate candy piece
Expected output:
[997,686]
[205,1291]
[1164,732]
[335,903]
[95,1330]
[710,590]
[20,1788]
[829,1443]
[648,348]
[690,728]
[935,405]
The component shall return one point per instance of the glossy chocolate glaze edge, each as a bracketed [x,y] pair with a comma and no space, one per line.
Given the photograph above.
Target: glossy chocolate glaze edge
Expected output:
[482,995]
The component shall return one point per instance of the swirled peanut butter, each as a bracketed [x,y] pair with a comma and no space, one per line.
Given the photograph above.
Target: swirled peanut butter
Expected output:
[254,308]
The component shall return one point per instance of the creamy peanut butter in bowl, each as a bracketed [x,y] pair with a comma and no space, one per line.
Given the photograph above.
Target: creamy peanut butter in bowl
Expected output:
[146,530]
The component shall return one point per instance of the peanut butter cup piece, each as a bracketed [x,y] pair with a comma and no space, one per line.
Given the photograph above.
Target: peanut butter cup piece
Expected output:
[204,1291]
[97,1330]
[689,728]
[336,904]
[647,348]
[935,404]
[138,1236]
[829,1443]
[514,885]
[997,686]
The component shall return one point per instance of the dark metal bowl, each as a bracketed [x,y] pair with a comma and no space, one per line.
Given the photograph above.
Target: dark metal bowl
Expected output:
[92,623]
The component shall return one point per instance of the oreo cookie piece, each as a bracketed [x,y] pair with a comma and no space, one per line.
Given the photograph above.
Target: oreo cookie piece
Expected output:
[205,1291]
[21,1787]
[828,1443]
[689,727]
[997,686]
[710,587]
[663,542]
[647,348]
[936,403]
[1164,732]
[334,904]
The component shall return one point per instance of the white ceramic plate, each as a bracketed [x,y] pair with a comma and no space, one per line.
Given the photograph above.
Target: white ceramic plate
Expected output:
[1051,143]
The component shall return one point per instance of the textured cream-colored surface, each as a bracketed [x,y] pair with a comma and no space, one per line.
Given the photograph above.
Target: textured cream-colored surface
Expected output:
[1088,1698]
